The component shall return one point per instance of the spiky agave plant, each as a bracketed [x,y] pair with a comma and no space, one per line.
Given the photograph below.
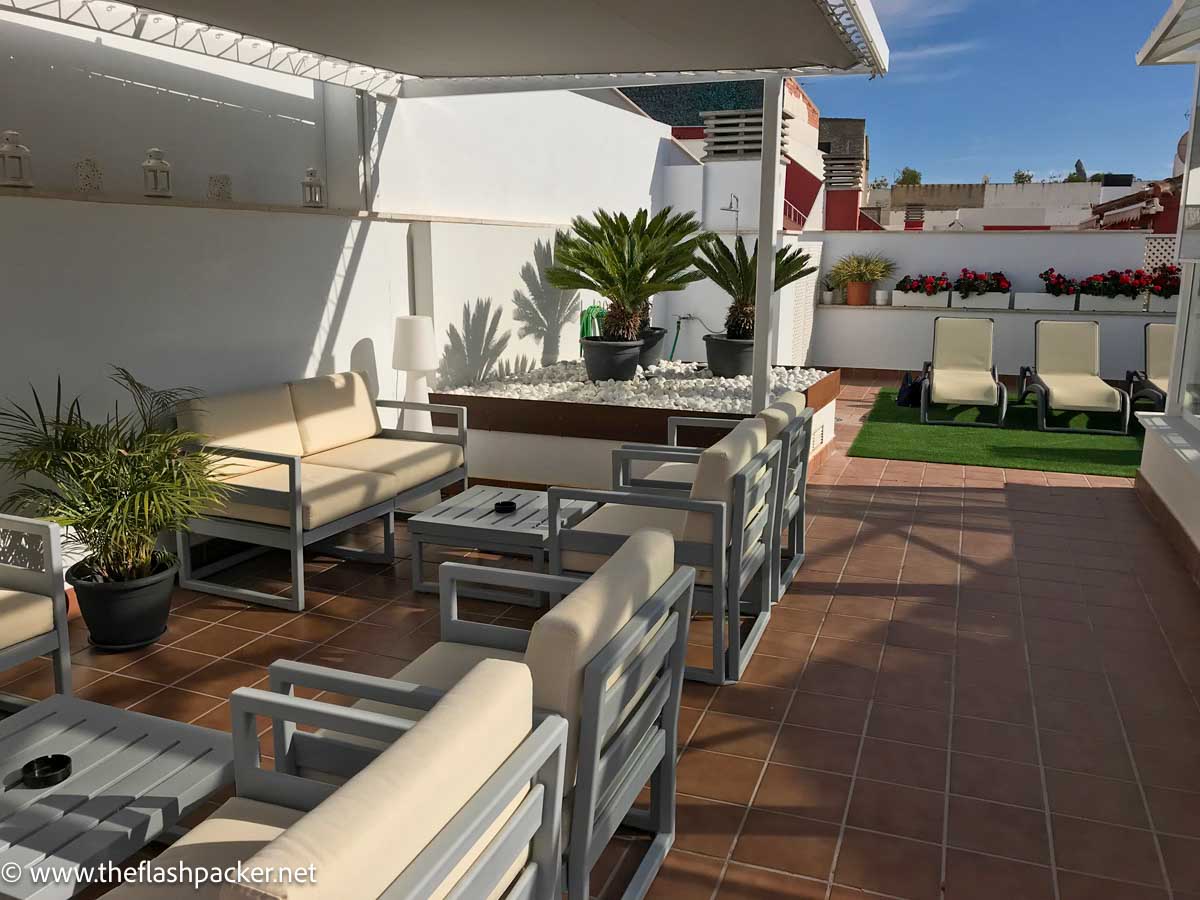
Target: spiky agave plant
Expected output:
[627,261]
[115,485]
[736,273]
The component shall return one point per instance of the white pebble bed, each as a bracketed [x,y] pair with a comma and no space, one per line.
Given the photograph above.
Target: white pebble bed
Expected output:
[672,385]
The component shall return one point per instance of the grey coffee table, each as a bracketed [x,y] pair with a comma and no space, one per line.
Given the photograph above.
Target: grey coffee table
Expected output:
[469,520]
[133,778]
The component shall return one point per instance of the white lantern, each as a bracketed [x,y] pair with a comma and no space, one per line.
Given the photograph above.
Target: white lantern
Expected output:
[156,175]
[312,189]
[16,166]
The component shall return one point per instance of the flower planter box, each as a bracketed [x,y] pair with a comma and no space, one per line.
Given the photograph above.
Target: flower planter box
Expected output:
[923,301]
[1164,305]
[990,300]
[1042,300]
[1091,303]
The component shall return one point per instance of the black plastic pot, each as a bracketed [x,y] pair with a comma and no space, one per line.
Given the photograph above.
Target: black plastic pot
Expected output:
[123,615]
[616,360]
[729,357]
[652,347]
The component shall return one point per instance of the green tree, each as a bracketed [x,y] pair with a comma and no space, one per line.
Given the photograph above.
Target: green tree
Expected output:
[1074,178]
[542,309]
[1022,176]
[880,182]
[909,175]
[1098,177]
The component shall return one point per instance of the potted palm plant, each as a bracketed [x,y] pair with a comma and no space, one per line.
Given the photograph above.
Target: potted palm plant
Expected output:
[731,353]
[626,261]
[115,486]
[857,272]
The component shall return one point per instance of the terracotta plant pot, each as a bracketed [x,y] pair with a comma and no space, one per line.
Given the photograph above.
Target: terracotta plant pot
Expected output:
[858,293]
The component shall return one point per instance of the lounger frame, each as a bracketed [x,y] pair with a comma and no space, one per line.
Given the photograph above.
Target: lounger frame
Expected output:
[539,762]
[795,453]
[293,537]
[927,373]
[47,581]
[1138,384]
[1030,381]
[740,559]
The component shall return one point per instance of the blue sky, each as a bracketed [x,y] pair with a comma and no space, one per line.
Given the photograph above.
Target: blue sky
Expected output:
[990,86]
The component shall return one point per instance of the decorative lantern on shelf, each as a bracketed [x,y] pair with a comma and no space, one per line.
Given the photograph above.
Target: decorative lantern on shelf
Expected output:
[16,166]
[156,175]
[312,189]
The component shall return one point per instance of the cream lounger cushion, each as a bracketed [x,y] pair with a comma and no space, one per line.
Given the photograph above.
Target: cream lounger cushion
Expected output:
[326,494]
[23,616]
[1160,346]
[1068,363]
[409,463]
[332,410]
[260,419]
[364,835]
[962,362]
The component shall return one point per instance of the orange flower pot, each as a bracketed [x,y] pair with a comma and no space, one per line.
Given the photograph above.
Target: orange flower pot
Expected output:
[858,293]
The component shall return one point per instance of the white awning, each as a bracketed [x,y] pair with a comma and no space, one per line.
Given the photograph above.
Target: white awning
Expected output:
[1176,38]
[422,48]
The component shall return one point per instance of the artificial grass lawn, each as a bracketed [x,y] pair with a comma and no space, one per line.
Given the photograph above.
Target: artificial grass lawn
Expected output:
[896,432]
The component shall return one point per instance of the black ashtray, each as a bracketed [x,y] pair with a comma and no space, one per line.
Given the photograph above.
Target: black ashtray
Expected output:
[46,771]
[505,506]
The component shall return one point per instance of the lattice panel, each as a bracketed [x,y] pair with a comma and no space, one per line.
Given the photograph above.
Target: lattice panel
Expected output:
[1160,251]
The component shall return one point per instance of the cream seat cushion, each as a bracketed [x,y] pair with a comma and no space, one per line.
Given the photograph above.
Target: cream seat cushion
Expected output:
[960,386]
[232,834]
[326,493]
[616,519]
[409,462]
[674,471]
[260,419]
[714,474]
[1081,392]
[332,410]
[24,616]
[365,834]
[1160,346]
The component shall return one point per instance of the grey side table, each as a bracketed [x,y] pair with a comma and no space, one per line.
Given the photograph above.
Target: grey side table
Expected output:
[133,778]
[469,520]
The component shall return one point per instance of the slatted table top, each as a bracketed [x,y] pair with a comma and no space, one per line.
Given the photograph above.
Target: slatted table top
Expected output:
[133,777]
[471,515]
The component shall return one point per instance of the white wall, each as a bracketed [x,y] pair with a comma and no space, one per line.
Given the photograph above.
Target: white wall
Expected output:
[1171,465]
[902,338]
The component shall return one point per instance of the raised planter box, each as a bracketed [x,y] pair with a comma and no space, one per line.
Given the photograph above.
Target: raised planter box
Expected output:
[921,301]
[1091,303]
[1042,300]
[990,300]
[1164,304]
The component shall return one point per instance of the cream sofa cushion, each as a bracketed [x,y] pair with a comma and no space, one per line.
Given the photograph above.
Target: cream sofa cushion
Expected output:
[675,471]
[971,388]
[332,410]
[1068,348]
[232,834]
[409,462]
[259,419]
[326,494]
[615,518]
[365,834]
[1160,346]
[782,412]
[714,474]
[1081,392]
[962,344]
[24,616]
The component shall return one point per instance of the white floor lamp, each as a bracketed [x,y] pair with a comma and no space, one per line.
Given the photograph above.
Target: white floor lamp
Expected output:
[414,352]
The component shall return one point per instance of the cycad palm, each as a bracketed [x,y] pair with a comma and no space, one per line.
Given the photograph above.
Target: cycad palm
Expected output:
[542,309]
[736,273]
[627,261]
[470,356]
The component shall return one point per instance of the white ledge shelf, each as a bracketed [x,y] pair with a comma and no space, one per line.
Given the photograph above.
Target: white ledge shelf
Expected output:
[958,311]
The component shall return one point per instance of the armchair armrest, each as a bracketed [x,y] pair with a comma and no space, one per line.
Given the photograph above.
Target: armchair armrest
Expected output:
[674,423]
[624,457]
[501,637]
[286,674]
[265,496]
[460,421]
[49,579]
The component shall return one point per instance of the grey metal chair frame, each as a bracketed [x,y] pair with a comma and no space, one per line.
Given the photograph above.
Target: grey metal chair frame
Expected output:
[1030,381]
[1138,385]
[740,558]
[539,761]
[927,389]
[48,581]
[796,448]
[294,538]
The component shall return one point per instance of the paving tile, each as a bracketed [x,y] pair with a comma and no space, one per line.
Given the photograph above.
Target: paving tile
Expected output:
[790,843]
[827,750]
[1074,886]
[752,700]
[896,809]
[907,764]
[1174,812]
[685,876]
[1009,831]
[973,876]
[716,776]
[747,883]
[773,671]
[736,735]
[803,792]
[1182,857]
[995,779]
[1095,848]
[827,712]
[883,863]
[929,728]
[1091,797]
[706,826]
[1017,743]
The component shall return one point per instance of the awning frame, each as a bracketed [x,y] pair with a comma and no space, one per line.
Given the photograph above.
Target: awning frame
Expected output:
[1175,39]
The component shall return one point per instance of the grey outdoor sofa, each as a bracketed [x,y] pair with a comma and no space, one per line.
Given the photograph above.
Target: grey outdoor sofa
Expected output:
[33,601]
[724,526]
[305,462]
[463,803]
[789,421]
[609,658]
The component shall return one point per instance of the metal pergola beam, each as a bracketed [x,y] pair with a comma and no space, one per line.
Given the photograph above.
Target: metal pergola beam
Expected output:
[770,221]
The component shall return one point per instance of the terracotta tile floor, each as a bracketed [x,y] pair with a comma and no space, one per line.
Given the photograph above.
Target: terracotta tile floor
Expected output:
[981,685]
